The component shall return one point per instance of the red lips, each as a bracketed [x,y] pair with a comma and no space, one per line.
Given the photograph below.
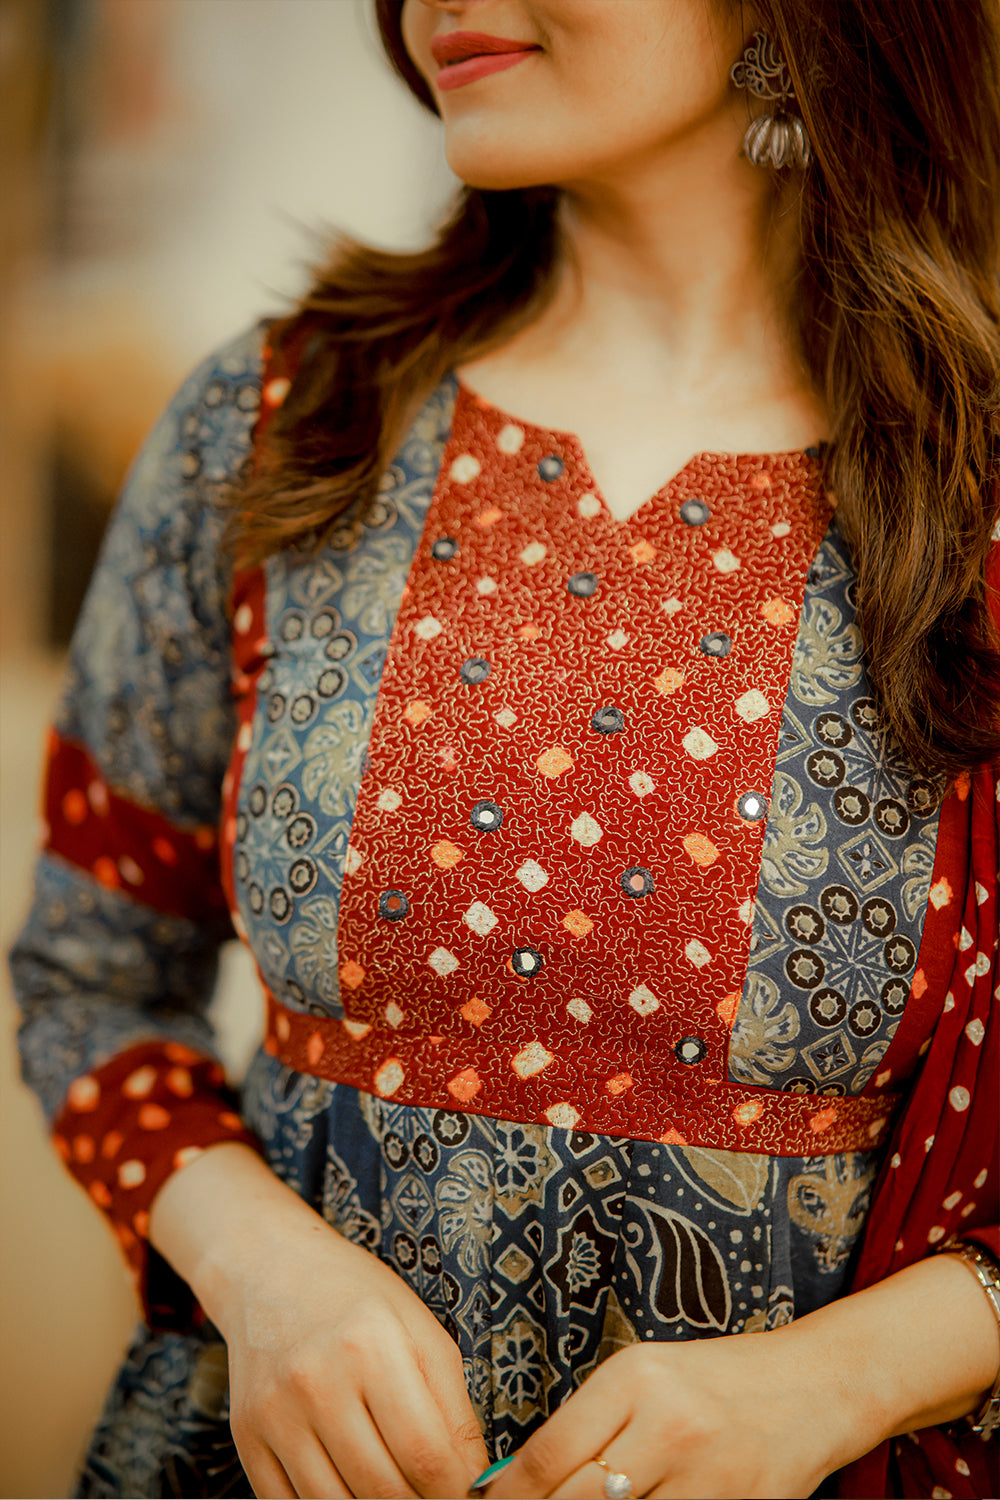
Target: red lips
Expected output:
[459,46]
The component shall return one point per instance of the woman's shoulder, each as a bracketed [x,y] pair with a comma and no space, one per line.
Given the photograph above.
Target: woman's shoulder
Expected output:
[238,358]
[215,408]
[197,449]
[160,587]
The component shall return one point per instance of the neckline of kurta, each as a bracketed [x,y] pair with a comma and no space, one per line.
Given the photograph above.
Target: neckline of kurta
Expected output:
[800,464]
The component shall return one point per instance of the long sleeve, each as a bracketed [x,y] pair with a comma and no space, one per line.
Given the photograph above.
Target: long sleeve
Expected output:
[116,963]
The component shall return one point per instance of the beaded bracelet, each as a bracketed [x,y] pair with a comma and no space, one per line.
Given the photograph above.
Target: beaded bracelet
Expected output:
[987,1273]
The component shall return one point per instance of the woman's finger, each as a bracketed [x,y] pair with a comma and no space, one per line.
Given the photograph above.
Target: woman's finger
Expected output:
[267,1475]
[445,1380]
[365,1464]
[314,1474]
[435,1460]
[340,1454]
[584,1426]
[397,1442]
[630,1467]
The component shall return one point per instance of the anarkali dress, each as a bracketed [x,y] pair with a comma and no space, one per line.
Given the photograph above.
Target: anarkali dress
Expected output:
[623,980]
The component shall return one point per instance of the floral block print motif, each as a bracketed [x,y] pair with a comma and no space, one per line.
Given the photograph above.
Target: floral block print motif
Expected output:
[845,870]
[308,709]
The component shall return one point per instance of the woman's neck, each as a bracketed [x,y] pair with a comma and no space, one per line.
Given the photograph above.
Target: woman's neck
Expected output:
[697,268]
[670,331]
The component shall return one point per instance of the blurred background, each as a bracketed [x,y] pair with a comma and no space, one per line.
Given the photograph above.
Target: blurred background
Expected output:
[168,170]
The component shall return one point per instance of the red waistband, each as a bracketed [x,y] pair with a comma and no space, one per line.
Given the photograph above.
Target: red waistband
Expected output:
[439,1072]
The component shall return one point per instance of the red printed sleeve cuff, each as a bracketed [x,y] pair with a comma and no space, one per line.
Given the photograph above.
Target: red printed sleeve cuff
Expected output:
[124,1129]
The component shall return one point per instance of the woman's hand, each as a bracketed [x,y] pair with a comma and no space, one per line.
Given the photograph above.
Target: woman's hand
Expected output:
[713,1418]
[771,1414]
[341,1381]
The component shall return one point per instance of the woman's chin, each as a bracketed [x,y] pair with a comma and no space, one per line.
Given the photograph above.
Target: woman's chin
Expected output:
[496,169]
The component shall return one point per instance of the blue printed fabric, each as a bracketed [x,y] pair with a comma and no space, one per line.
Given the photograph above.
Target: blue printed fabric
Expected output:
[846,868]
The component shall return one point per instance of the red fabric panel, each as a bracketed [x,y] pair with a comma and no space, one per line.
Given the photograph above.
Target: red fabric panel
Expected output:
[125,1127]
[940,1179]
[727,1116]
[128,847]
[682,621]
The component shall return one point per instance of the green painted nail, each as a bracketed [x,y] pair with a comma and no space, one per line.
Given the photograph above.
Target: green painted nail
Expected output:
[488,1475]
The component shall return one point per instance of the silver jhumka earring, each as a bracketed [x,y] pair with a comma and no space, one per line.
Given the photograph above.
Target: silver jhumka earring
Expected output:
[778,138]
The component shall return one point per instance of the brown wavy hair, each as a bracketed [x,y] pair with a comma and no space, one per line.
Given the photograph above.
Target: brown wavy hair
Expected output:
[898,313]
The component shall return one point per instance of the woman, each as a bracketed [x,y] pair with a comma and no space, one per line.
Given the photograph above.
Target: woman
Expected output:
[629,929]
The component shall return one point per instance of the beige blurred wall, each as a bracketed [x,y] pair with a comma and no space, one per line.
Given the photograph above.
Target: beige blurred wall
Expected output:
[277,117]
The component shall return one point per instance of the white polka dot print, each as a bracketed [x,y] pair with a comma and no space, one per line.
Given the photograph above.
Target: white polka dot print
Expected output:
[586,830]
[752,705]
[131,1173]
[510,438]
[465,468]
[531,1059]
[428,628]
[643,1000]
[563,1115]
[480,918]
[699,744]
[532,876]
[442,961]
[389,1077]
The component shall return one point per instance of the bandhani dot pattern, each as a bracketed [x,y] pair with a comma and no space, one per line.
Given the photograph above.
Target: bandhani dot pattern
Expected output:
[127,1127]
[127,847]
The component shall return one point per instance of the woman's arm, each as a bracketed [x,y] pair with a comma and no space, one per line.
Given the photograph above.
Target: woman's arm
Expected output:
[773,1414]
[115,966]
[916,1350]
[341,1381]
[114,971]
